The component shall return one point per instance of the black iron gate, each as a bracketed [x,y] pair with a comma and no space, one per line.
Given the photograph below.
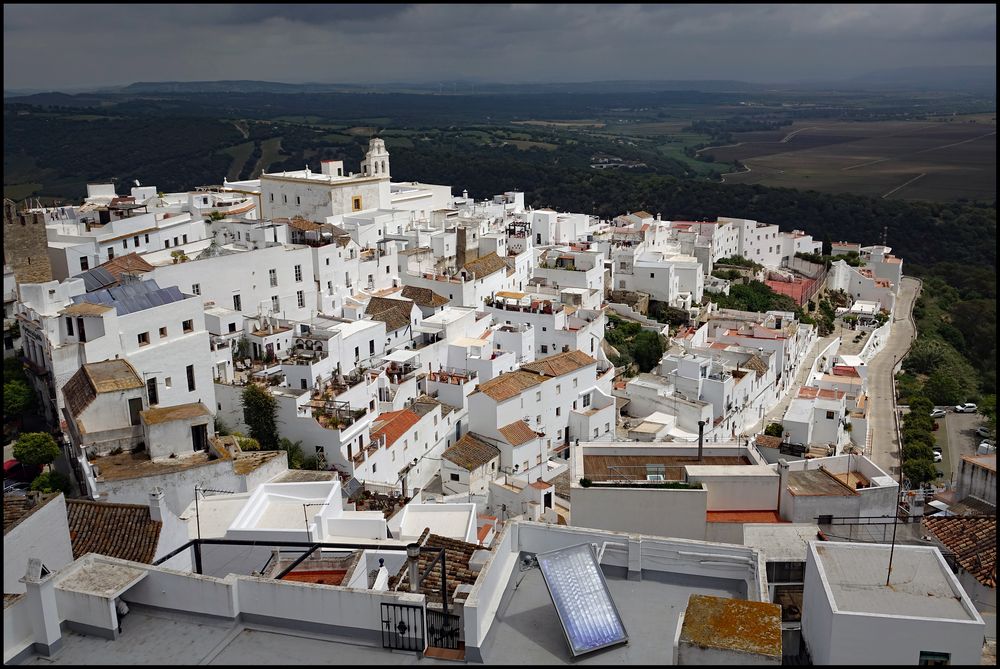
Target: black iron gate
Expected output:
[442,629]
[403,627]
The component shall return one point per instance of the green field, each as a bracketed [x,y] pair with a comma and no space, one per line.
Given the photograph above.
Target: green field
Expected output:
[240,153]
[269,154]
[20,191]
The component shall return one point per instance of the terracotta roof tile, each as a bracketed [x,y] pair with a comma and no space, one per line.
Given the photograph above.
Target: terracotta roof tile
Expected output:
[424,297]
[124,531]
[517,433]
[98,377]
[393,425]
[974,542]
[484,266]
[131,262]
[16,508]
[457,556]
[510,384]
[560,363]
[394,313]
[470,452]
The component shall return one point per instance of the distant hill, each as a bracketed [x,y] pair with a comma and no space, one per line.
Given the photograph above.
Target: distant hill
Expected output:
[962,78]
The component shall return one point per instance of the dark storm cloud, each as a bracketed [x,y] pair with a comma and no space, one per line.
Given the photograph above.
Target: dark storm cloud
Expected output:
[81,45]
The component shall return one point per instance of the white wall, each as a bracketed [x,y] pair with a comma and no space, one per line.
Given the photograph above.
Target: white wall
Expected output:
[641,511]
[184,591]
[43,535]
[18,633]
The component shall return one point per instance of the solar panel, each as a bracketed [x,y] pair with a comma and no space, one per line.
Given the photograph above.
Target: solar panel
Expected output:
[576,584]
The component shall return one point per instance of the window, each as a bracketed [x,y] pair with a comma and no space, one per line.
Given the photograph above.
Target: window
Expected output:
[111,253]
[143,338]
[146,238]
[371,351]
[929,658]
[168,382]
[237,305]
[652,276]
[300,298]
[84,264]
[302,384]
[134,407]
[786,572]
[356,203]
[151,393]
[454,477]
[558,388]
[830,415]
[176,243]
[69,326]
[187,326]
[298,272]
[163,332]
[125,243]
[284,199]
[135,241]
[621,265]
[558,411]
[190,375]
[545,348]
[275,305]
[298,200]
[196,288]
[166,243]
[538,419]
[586,400]
[232,327]
[357,354]
[184,239]
[272,275]
[272,197]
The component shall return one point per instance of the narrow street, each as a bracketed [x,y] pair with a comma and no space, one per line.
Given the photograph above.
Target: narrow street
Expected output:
[885,445]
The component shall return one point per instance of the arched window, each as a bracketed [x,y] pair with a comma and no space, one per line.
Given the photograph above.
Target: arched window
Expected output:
[383,167]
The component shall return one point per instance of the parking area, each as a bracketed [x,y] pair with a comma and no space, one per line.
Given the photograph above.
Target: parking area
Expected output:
[956,435]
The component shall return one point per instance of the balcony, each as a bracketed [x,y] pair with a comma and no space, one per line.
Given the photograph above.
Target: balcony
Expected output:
[335,414]
[453,375]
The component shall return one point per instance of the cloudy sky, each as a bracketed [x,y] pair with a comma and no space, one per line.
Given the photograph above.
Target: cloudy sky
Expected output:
[68,46]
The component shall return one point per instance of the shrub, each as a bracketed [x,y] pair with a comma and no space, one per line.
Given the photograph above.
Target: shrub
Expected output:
[51,481]
[774,430]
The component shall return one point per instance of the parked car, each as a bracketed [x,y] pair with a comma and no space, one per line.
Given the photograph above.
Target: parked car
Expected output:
[937,456]
[17,471]
[936,449]
[968,407]
[12,487]
[983,431]
[938,413]
[985,448]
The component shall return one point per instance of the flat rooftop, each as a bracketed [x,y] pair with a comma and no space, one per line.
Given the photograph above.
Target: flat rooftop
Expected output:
[817,482]
[785,542]
[633,467]
[921,584]
[528,630]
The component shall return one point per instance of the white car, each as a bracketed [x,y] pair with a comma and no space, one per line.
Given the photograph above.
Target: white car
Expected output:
[937,457]
[968,407]
[938,413]
[983,431]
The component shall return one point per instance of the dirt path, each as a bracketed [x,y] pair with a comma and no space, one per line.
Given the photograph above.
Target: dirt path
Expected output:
[919,176]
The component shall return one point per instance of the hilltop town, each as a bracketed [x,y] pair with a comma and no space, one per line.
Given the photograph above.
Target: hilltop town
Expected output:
[328,414]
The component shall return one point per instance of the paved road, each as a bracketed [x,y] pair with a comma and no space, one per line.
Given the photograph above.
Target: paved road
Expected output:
[885,445]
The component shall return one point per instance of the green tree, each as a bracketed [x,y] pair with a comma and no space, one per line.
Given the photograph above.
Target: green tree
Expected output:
[36,448]
[296,458]
[919,471]
[18,398]
[943,388]
[51,481]
[774,430]
[647,349]
[921,405]
[260,411]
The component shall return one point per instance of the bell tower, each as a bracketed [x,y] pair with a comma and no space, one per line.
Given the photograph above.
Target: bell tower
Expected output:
[376,162]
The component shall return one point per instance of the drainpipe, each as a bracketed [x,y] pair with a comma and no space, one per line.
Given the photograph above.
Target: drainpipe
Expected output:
[701,439]
[782,479]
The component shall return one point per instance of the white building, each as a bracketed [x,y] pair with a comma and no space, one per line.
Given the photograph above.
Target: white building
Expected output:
[852,616]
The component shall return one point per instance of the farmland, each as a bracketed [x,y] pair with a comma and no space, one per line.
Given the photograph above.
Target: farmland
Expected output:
[939,160]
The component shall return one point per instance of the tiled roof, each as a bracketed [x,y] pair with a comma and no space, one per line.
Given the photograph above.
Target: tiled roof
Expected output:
[471,453]
[124,531]
[742,517]
[457,556]
[768,441]
[16,508]
[131,262]
[424,297]
[541,485]
[394,313]
[757,365]
[484,266]
[98,377]
[510,384]
[560,363]
[299,223]
[393,425]
[642,214]
[974,542]
[517,433]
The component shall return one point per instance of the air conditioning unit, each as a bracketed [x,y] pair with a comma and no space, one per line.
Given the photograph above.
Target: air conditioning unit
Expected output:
[655,477]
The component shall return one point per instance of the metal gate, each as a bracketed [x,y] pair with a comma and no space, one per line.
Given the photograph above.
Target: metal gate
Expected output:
[403,627]
[442,629]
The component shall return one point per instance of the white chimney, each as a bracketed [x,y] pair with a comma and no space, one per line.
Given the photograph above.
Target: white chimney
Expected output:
[156,505]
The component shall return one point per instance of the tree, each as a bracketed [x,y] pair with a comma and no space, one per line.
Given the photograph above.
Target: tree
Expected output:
[260,411]
[17,399]
[921,405]
[943,388]
[919,471]
[774,430]
[294,450]
[647,349]
[51,481]
[36,448]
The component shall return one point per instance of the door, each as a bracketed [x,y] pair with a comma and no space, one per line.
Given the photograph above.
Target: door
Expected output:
[199,437]
[547,501]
